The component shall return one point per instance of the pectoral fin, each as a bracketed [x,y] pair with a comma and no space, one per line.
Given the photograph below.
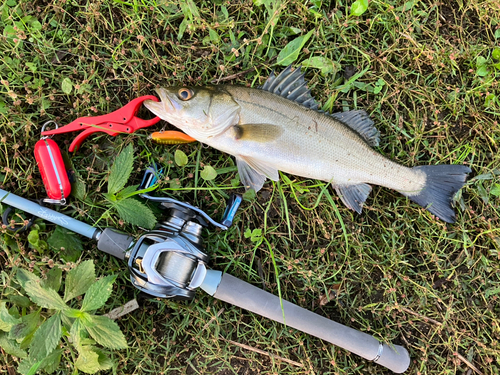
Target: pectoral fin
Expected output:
[257,132]
[354,196]
[253,172]
[250,178]
[261,167]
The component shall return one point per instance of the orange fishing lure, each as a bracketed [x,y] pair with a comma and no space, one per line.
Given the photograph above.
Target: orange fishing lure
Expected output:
[171,137]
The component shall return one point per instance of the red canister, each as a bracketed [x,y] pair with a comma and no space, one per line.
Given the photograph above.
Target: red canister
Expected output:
[53,171]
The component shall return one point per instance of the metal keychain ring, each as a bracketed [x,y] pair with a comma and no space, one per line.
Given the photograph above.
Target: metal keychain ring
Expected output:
[47,123]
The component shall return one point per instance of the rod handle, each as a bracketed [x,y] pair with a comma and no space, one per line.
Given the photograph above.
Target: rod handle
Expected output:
[258,301]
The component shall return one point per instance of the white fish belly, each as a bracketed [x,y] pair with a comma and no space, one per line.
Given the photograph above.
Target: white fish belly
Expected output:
[340,160]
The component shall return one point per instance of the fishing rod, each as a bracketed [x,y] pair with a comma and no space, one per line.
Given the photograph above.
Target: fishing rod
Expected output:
[171,262]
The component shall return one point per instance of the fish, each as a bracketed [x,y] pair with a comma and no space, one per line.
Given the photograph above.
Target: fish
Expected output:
[279,127]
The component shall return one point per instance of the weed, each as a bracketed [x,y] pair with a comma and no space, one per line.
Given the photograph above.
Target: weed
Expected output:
[42,329]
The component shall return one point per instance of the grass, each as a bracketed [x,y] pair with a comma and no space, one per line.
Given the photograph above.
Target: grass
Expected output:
[424,71]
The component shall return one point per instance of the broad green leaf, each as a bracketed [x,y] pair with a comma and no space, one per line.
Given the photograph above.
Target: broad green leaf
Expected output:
[189,9]
[86,319]
[483,176]
[254,235]
[180,158]
[497,34]
[106,332]
[291,51]
[73,313]
[33,237]
[482,71]
[51,363]
[490,100]
[67,86]
[208,173]
[110,197]
[34,240]
[78,187]
[20,301]
[75,333]
[121,170]
[406,7]
[67,243]
[9,31]
[43,297]
[235,182]
[105,363]
[36,26]
[29,323]
[92,359]
[7,321]
[224,11]
[359,7]
[11,346]
[496,54]
[134,212]
[127,192]
[79,280]
[495,190]
[98,293]
[24,276]
[482,193]
[491,292]
[53,280]
[28,366]
[88,360]
[323,63]
[46,338]
[214,37]
[32,66]
[481,61]
[249,195]
[378,86]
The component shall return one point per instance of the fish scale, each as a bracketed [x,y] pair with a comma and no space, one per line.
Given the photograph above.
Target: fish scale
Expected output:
[340,155]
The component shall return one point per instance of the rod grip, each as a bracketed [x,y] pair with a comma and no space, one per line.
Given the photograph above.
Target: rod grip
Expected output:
[258,301]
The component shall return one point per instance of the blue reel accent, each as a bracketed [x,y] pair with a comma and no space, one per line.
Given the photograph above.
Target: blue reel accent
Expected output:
[232,206]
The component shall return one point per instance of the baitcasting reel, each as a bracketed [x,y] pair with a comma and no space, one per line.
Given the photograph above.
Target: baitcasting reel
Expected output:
[170,262]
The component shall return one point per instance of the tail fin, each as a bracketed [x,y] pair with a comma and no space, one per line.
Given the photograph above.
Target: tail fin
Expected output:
[443,181]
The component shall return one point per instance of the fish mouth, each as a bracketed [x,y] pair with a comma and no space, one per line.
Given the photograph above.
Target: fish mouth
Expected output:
[166,107]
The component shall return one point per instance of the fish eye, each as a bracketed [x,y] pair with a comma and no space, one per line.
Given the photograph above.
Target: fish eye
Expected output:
[185,94]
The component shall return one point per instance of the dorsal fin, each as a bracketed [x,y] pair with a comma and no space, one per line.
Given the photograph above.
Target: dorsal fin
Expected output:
[291,85]
[360,122]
